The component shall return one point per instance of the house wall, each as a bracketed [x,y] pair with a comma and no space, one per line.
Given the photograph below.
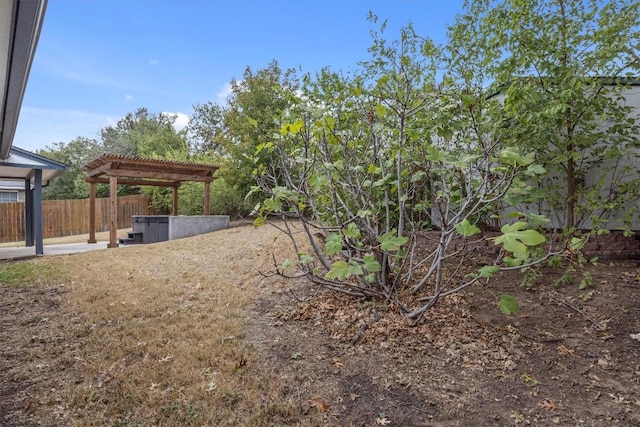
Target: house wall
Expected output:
[612,173]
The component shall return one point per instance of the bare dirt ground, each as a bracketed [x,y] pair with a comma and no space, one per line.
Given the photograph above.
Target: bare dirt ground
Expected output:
[294,355]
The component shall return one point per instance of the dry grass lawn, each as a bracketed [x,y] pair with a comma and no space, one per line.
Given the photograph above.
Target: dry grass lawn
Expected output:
[188,332]
[145,335]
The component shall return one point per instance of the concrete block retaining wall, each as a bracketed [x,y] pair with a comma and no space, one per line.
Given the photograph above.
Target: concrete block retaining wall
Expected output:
[186,226]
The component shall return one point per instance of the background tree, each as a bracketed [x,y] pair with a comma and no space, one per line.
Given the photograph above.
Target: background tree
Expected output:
[561,66]
[76,154]
[229,134]
[137,134]
[143,134]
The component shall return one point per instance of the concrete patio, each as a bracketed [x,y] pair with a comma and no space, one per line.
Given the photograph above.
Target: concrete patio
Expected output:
[23,252]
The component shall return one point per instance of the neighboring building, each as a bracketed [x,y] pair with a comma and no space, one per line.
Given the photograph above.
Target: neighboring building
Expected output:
[610,171]
[11,192]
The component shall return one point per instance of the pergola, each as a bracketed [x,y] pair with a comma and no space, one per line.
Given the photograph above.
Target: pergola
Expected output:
[114,170]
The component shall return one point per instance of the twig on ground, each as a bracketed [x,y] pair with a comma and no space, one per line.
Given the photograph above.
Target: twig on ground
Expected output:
[579,311]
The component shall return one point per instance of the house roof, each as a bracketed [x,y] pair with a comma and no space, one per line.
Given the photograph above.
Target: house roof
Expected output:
[140,171]
[609,81]
[20,165]
[20,25]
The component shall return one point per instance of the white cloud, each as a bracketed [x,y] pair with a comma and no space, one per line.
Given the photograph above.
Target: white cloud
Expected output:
[181,122]
[128,97]
[154,61]
[41,127]
[223,93]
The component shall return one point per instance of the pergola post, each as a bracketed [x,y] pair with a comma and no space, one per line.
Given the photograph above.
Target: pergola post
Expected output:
[92,213]
[174,211]
[207,198]
[113,218]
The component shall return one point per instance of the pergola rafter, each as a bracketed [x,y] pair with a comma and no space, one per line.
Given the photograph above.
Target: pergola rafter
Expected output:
[114,170]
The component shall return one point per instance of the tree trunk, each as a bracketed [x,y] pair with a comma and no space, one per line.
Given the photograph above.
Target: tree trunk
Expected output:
[571,190]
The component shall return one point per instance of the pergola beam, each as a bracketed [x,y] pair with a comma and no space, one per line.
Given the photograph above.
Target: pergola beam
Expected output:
[136,182]
[172,176]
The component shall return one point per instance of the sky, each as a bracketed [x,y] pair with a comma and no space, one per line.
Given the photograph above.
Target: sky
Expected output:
[98,60]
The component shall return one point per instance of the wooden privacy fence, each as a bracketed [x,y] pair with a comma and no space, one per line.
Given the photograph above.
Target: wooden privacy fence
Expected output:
[69,217]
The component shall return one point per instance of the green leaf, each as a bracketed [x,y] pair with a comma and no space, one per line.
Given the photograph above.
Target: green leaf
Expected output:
[512,156]
[391,242]
[304,259]
[512,262]
[343,269]
[355,269]
[351,231]
[417,176]
[259,221]
[273,205]
[286,264]
[533,170]
[436,155]
[488,271]
[317,181]
[339,270]
[333,244]
[466,229]
[587,280]
[577,243]
[508,304]
[468,100]
[264,146]
[516,237]
[370,264]
[292,128]
[446,133]
[536,220]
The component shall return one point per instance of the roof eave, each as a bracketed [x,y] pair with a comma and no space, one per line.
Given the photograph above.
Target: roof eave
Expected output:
[26,25]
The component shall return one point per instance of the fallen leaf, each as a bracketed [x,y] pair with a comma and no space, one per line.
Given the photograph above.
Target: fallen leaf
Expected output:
[604,363]
[618,399]
[337,362]
[383,421]
[565,350]
[319,404]
[549,405]
[518,417]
